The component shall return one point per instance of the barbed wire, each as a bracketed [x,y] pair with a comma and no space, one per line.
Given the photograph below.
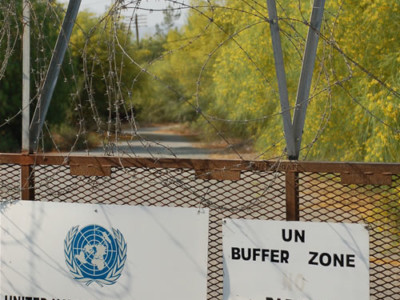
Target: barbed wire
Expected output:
[109,85]
[8,19]
[102,97]
[112,69]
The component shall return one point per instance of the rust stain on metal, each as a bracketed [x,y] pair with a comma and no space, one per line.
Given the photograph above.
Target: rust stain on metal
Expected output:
[90,170]
[232,175]
[366,178]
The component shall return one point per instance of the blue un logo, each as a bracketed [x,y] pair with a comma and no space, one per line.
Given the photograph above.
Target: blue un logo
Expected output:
[93,254]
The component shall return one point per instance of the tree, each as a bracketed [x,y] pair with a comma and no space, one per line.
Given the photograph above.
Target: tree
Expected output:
[45,24]
[170,16]
[179,68]
[227,70]
[112,75]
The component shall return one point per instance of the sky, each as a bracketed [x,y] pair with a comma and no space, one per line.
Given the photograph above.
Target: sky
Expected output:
[151,18]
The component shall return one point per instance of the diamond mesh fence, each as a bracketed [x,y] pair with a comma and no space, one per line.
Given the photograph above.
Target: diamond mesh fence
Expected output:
[9,181]
[259,193]
[324,198]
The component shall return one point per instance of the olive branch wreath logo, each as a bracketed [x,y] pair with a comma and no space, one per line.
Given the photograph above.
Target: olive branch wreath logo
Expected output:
[112,275]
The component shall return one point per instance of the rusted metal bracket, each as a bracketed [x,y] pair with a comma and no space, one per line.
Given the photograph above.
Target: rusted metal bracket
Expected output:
[366,178]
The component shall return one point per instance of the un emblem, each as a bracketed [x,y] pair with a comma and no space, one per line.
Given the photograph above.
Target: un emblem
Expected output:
[93,254]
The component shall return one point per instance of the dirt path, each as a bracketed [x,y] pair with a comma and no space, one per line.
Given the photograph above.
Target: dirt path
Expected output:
[163,141]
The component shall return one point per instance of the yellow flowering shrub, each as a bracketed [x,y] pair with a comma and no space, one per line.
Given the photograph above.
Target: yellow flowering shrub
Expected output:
[228,73]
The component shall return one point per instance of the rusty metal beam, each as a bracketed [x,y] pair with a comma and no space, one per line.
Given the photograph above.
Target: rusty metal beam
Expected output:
[27,183]
[366,178]
[90,170]
[385,169]
[292,196]
[218,175]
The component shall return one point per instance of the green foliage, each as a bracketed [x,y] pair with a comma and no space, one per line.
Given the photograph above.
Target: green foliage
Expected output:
[170,16]
[44,32]
[217,72]
[226,71]
[184,86]
[64,137]
[364,121]
[106,71]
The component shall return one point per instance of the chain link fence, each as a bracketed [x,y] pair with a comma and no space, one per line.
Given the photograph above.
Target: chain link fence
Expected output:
[322,192]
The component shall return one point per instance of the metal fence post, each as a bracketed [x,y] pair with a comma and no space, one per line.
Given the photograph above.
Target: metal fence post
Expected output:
[27,191]
[303,91]
[26,77]
[27,183]
[50,82]
[292,196]
[281,77]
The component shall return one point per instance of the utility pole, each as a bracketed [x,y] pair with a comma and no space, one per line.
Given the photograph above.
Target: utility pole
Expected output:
[49,85]
[140,21]
[137,29]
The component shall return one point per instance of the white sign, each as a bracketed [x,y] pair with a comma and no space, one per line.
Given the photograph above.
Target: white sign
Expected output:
[86,251]
[273,260]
